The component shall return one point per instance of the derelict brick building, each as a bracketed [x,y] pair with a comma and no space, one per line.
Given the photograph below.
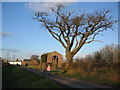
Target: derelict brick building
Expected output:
[53,58]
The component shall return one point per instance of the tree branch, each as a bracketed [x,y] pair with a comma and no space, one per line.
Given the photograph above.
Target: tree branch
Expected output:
[67,27]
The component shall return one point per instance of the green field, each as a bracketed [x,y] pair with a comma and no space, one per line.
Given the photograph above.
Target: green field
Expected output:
[17,77]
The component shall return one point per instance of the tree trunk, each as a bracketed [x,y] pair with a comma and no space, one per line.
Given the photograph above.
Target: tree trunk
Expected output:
[69,60]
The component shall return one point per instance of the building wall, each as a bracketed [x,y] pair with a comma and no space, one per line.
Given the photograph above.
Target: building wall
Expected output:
[33,62]
[30,62]
[50,58]
[15,63]
[26,62]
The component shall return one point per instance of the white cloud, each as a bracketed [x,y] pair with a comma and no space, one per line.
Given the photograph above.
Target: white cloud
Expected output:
[59,0]
[39,6]
[43,6]
[55,0]
[40,0]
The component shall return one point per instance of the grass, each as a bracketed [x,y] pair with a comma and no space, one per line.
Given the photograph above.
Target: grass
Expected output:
[17,77]
[101,76]
[89,78]
[31,67]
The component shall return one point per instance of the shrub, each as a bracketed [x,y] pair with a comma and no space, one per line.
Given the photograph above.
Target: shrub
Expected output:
[44,58]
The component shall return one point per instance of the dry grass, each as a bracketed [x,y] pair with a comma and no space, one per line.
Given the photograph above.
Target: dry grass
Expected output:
[95,72]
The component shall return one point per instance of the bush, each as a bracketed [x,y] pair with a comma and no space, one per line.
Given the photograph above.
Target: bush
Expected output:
[102,65]
[44,58]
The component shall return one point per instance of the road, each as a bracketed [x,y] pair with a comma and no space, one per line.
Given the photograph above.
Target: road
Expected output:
[73,83]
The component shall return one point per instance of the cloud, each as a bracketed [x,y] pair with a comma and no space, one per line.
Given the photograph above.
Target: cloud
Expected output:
[40,0]
[41,6]
[47,4]
[4,34]
[55,0]
[59,0]
[10,50]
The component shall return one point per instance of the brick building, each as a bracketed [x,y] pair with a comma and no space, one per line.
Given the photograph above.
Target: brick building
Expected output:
[27,62]
[52,58]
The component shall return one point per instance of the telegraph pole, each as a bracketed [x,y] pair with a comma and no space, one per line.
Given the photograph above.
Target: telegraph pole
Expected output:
[7,55]
[14,57]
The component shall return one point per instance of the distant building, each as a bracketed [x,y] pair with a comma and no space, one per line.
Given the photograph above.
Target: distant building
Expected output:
[4,62]
[32,61]
[26,62]
[15,63]
[34,57]
[53,58]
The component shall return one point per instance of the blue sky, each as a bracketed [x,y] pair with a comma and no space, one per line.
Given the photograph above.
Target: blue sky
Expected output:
[24,34]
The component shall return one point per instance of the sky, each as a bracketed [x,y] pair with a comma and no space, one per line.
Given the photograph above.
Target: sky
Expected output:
[22,36]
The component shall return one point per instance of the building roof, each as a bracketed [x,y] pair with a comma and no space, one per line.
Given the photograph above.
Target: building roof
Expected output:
[52,52]
[27,59]
[14,61]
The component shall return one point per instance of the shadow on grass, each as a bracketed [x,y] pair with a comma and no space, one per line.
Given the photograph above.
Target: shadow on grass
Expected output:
[17,77]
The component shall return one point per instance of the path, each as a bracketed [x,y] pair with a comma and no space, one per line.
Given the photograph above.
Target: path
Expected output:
[73,83]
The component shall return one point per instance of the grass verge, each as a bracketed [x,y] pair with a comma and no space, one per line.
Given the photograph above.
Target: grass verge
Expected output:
[17,77]
[89,78]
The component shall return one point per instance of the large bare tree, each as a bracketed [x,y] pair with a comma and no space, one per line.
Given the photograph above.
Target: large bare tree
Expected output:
[73,30]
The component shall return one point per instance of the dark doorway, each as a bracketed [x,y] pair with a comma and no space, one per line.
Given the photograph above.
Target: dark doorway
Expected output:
[55,59]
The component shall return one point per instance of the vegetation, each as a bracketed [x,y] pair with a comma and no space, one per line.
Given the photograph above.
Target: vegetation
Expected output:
[74,30]
[44,58]
[102,66]
[17,77]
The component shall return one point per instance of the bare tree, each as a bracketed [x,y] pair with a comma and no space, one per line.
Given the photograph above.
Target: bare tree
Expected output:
[73,30]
